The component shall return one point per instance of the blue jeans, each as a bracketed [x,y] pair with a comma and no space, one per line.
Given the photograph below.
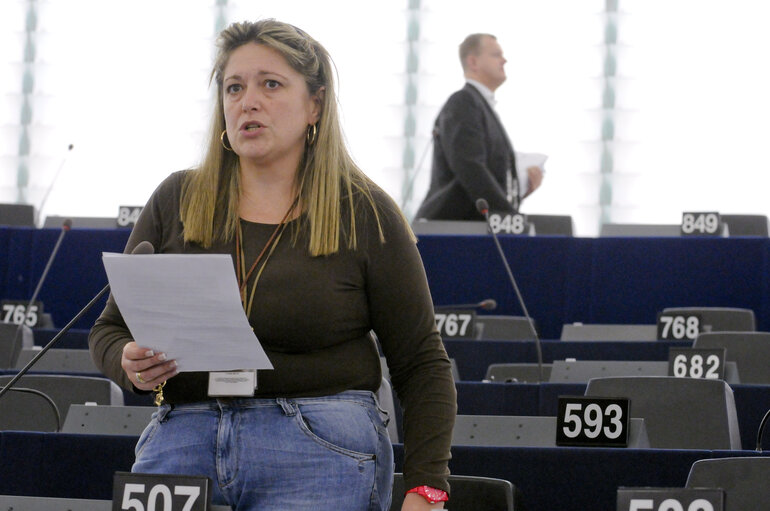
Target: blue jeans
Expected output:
[327,453]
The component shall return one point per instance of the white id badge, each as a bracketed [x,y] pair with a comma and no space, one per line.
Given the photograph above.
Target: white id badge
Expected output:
[232,383]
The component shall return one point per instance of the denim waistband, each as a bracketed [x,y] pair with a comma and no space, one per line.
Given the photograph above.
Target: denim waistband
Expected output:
[362,396]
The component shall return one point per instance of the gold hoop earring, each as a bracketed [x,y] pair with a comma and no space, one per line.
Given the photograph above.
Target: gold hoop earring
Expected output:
[224,144]
[310,135]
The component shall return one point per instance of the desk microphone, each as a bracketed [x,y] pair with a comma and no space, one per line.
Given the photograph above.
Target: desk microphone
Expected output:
[483,207]
[53,182]
[489,304]
[761,431]
[66,225]
[409,185]
[144,247]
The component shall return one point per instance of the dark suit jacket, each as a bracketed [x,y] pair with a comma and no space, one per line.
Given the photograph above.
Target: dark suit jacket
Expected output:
[471,153]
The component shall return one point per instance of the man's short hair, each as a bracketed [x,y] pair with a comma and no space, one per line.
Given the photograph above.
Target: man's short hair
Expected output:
[471,46]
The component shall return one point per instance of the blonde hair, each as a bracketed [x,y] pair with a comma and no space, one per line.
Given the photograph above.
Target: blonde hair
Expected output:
[326,175]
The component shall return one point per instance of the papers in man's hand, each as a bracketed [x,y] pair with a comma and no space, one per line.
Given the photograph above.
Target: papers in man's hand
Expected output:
[187,306]
[526,160]
[523,162]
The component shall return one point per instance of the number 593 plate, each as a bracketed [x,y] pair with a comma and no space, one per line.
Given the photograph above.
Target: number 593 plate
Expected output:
[592,421]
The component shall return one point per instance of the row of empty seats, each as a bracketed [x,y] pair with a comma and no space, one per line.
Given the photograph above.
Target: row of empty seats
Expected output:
[539,478]
[756,346]
[713,319]
[508,327]
[734,225]
[40,402]
[743,481]
[582,371]
[563,225]
[73,403]
[24,215]
[673,413]
[69,403]
[734,331]
[105,420]
[83,410]
[560,225]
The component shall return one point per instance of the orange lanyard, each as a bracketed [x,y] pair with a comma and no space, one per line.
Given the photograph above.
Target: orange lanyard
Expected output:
[240,259]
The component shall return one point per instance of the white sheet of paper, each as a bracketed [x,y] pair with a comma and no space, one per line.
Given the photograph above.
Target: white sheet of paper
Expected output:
[523,162]
[187,306]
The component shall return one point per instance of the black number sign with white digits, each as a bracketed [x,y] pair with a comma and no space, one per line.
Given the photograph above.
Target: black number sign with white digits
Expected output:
[160,492]
[458,324]
[708,363]
[701,224]
[128,215]
[671,499]
[592,421]
[508,223]
[678,327]
[16,312]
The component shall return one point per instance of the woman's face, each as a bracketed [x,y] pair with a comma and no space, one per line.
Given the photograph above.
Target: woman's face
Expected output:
[267,107]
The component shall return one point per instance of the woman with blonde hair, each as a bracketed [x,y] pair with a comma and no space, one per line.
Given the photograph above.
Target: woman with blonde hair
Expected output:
[324,258]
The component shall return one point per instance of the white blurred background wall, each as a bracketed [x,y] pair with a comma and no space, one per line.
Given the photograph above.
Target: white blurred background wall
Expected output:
[646,108]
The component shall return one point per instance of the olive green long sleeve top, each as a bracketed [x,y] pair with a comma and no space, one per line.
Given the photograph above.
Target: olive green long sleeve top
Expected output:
[313,317]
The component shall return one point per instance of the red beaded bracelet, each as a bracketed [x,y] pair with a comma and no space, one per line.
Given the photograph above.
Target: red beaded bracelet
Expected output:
[432,495]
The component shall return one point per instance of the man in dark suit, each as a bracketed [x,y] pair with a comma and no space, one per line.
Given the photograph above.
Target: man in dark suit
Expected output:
[472,155]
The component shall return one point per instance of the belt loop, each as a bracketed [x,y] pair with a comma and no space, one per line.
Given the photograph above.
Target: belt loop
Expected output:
[289,407]
[162,411]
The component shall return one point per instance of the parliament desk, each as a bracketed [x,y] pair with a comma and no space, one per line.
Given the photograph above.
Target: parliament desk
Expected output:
[561,279]
[561,478]
[474,356]
[541,399]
